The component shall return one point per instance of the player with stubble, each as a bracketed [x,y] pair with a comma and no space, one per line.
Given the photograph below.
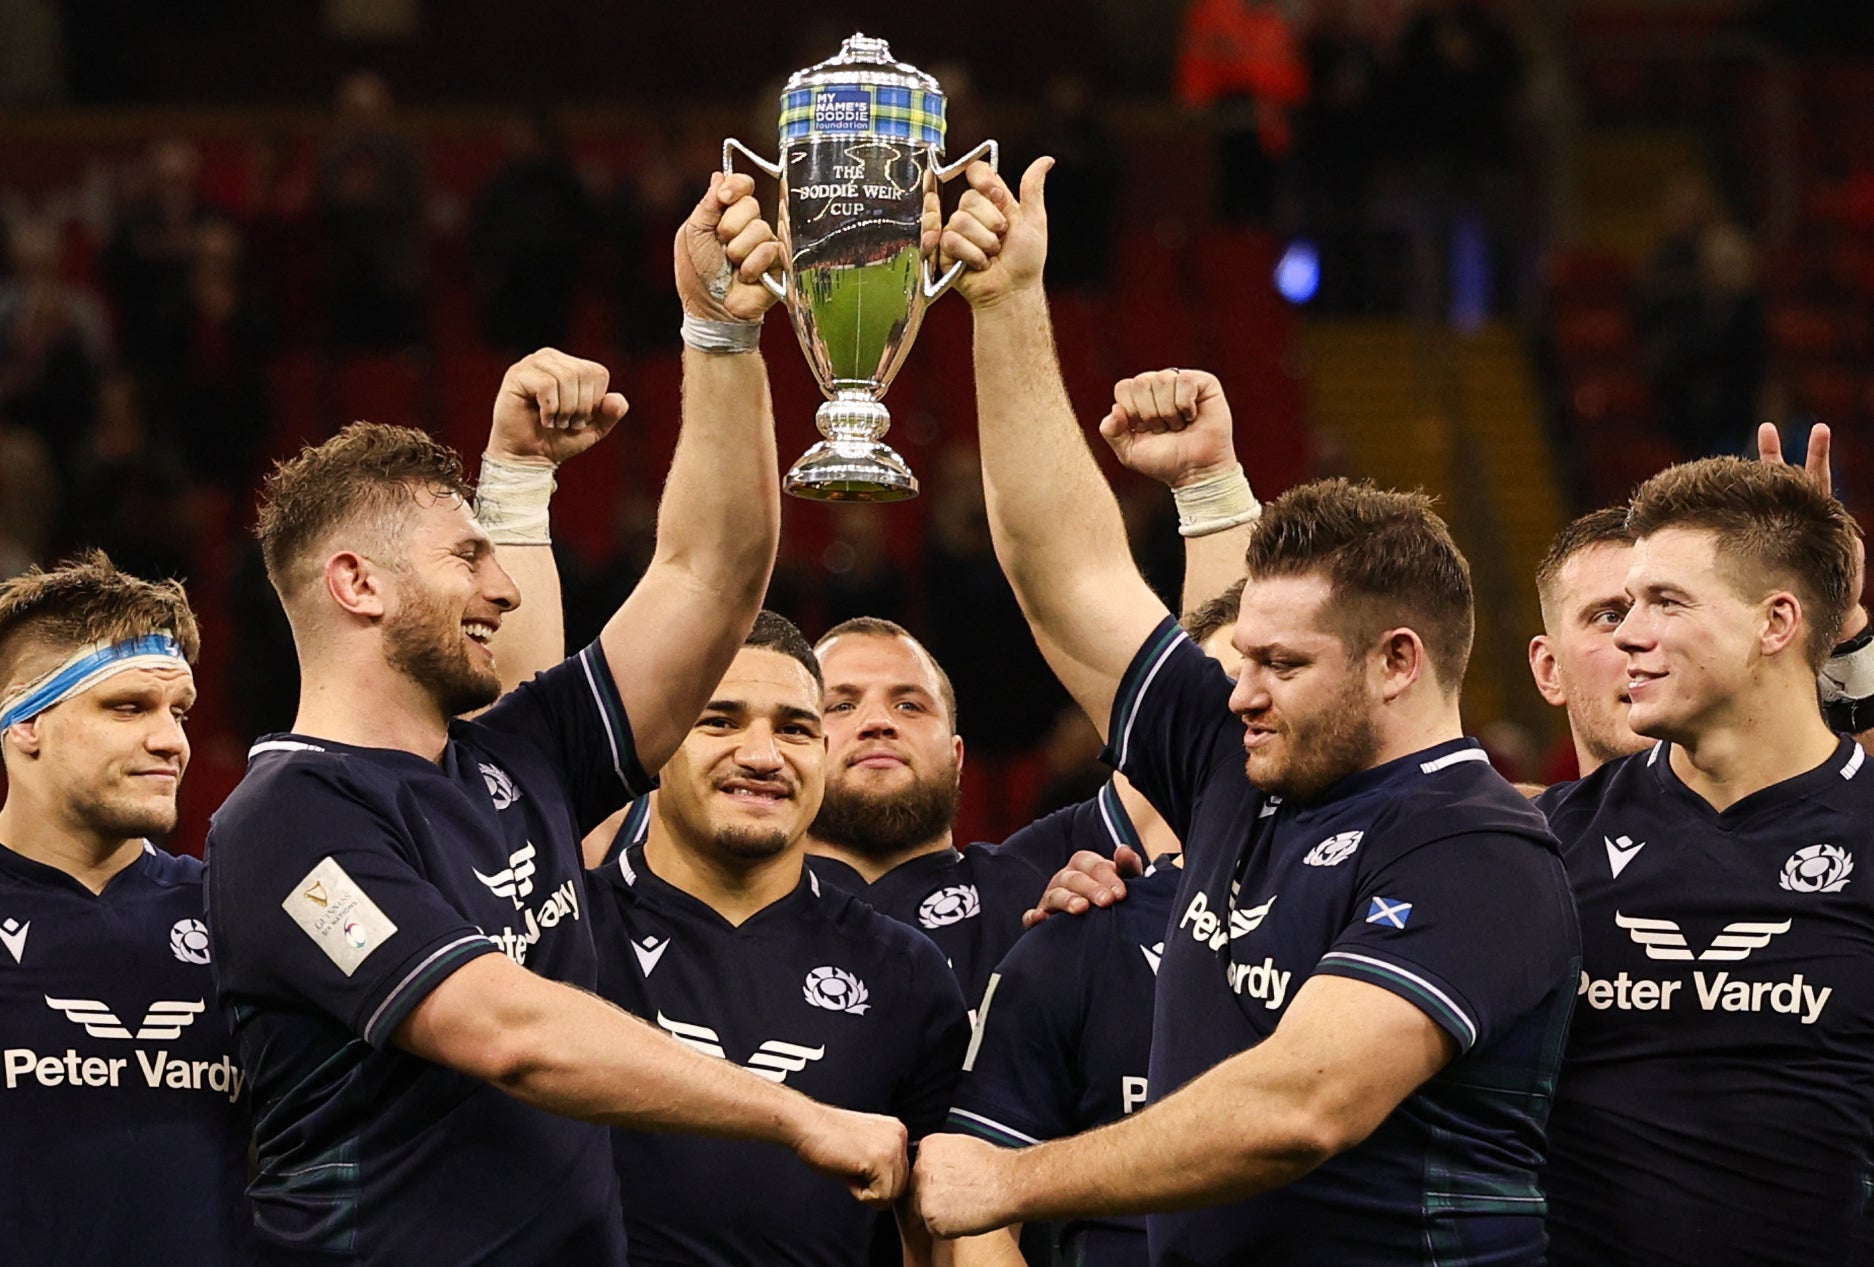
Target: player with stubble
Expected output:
[895,754]
[1373,953]
[395,895]
[714,930]
[123,1136]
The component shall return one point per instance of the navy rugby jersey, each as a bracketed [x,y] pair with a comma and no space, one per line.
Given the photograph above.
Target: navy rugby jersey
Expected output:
[968,901]
[1717,1099]
[1428,876]
[1064,1040]
[1099,824]
[123,1112]
[816,991]
[344,884]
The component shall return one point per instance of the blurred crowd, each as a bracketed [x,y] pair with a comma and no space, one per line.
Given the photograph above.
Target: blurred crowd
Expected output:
[185,309]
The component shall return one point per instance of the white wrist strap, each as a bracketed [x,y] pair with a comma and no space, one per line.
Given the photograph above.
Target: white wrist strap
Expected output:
[511,500]
[1212,505]
[721,336]
[1849,676]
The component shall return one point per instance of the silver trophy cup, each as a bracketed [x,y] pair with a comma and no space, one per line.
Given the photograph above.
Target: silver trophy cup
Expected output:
[861,142]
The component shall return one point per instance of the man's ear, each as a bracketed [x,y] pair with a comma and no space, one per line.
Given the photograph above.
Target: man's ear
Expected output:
[1546,670]
[1401,660]
[1784,623]
[23,737]
[355,583]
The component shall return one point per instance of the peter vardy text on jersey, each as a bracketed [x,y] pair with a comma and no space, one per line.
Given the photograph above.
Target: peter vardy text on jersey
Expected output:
[1711,992]
[156,1070]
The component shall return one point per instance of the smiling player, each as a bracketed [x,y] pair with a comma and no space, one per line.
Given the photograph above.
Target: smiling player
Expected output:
[714,931]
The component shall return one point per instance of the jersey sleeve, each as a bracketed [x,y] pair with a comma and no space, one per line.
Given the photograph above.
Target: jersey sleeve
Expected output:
[943,1034]
[1172,724]
[1099,824]
[1474,930]
[1020,1083]
[573,713]
[312,895]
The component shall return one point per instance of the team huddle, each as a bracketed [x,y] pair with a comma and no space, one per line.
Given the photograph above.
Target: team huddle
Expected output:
[664,953]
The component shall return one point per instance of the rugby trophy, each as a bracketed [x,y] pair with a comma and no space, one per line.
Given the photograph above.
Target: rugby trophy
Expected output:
[862,140]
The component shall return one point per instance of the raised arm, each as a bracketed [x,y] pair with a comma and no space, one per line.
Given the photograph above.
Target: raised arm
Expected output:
[720,518]
[1174,426]
[1056,525]
[1344,1056]
[550,408]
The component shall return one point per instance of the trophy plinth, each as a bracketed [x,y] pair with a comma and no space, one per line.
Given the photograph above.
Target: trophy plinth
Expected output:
[861,143]
[851,464]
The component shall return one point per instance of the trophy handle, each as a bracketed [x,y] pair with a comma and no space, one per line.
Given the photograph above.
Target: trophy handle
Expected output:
[729,148]
[934,287]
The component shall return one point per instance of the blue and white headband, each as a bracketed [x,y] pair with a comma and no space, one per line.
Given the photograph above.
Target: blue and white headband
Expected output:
[88,666]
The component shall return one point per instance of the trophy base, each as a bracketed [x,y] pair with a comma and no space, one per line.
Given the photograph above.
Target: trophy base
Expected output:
[850,471]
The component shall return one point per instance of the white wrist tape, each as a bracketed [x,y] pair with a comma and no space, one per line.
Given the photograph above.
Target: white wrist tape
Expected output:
[721,336]
[1849,676]
[1212,505]
[511,500]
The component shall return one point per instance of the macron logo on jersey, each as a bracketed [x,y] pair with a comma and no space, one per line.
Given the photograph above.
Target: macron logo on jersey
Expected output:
[649,951]
[1664,939]
[13,937]
[773,1060]
[1621,851]
[517,881]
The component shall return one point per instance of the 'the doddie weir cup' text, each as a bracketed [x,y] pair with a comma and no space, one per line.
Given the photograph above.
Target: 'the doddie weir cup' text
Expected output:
[861,147]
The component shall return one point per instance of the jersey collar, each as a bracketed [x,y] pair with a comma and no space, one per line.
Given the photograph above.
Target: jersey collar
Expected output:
[1401,772]
[1848,763]
[32,871]
[640,879]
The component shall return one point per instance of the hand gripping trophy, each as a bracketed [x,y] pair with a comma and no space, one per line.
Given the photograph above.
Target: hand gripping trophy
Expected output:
[861,140]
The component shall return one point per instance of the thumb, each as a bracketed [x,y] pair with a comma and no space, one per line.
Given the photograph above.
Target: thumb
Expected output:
[1034,187]
[708,212]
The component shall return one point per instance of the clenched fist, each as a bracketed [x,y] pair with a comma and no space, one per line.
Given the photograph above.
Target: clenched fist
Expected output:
[722,250]
[961,1186]
[864,1151]
[552,407]
[1171,425]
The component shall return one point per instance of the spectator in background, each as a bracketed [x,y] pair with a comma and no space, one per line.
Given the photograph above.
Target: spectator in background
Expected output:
[1460,72]
[54,344]
[1336,149]
[371,204]
[29,500]
[532,223]
[152,250]
[131,494]
[214,394]
[1085,178]
[1239,60]
[1706,350]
